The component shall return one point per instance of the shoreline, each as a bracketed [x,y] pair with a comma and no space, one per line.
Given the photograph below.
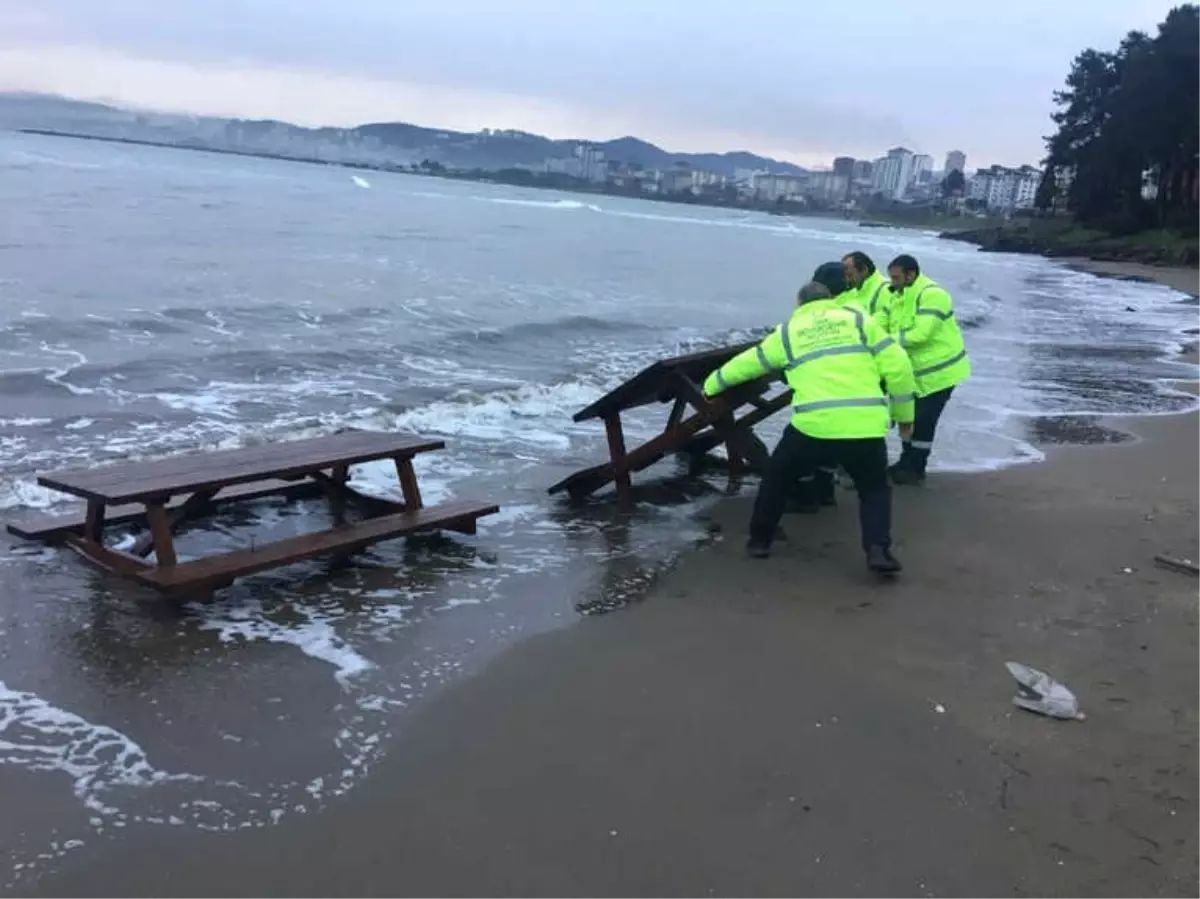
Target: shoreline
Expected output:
[1177,277]
[755,728]
[864,218]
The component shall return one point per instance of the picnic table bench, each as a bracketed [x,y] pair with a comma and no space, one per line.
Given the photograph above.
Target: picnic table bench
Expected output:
[165,493]
[714,421]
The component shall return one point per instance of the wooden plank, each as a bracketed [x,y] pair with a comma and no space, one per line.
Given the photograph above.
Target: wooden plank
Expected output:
[670,440]
[107,558]
[162,478]
[647,385]
[40,526]
[705,441]
[218,570]
[1182,566]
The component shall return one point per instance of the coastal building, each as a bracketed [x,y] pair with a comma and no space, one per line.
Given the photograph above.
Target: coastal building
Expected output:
[775,187]
[828,188]
[892,175]
[676,180]
[922,169]
[586,162]
[956,161]
[844,165]
[1005,189]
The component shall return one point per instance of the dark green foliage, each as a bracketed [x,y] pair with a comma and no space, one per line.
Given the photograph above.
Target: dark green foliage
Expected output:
[1124,157]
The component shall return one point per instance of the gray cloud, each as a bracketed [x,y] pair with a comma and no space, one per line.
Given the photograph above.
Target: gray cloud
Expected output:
[804,80]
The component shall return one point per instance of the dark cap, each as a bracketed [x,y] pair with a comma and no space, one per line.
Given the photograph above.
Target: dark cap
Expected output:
[812,291]
[833,276]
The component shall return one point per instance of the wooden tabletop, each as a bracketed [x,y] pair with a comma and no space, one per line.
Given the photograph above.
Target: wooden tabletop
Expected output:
[160,479]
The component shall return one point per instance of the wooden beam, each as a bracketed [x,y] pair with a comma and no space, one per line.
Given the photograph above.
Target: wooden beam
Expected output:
[408,483]
[160,530]
[112,560]
[93,523]
[619,460]
[677,410]
[191,507]
[725,429]
[1183,566]
[704,442]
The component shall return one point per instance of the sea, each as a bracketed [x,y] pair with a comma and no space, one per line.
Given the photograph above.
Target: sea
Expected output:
[157,301]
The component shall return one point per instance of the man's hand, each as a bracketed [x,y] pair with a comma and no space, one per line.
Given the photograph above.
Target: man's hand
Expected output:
[905,428]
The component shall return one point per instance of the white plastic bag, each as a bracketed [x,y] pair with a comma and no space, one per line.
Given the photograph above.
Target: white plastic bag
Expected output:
[1039,692]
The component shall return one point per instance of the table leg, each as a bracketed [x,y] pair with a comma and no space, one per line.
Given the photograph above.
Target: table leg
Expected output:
[93,528]
[193,506]
[616,454]
[335,489]
[408,483]
[160,530]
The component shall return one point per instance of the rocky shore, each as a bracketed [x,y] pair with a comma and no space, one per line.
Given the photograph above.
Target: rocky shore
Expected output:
[1059,239]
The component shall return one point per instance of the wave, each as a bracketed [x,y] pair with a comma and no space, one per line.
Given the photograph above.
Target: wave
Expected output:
[540,204]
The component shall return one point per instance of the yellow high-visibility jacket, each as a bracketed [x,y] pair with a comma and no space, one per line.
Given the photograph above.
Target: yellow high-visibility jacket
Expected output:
[834,357]
[922,321]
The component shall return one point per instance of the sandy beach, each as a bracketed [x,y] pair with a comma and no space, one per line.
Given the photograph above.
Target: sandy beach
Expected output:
[1176,277]
[792,727]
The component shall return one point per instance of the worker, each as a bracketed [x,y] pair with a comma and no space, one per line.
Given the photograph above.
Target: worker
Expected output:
[833,356]
[922,321]
[870,290]
[868,286]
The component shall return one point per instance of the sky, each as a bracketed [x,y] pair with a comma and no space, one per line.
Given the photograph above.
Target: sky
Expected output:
[800,80]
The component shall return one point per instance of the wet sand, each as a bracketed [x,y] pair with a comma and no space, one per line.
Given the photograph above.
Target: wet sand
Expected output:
[1176,277]
[792,727]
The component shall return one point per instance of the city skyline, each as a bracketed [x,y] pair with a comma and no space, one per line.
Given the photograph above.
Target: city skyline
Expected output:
[688,80]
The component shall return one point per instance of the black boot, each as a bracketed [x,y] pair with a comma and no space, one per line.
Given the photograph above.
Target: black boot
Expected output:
[881,561]
[913,473]
[904,463]
[905,470]
[757,549]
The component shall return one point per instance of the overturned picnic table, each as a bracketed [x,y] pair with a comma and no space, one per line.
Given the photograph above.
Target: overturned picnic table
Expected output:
[714,421]
[165,493]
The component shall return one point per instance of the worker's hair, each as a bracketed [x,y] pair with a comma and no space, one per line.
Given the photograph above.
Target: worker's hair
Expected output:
[862,262]
[812,291]
[905,263]
[833,276]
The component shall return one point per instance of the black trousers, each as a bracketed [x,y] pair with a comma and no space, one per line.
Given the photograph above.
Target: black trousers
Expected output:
[798,455]
[928,412]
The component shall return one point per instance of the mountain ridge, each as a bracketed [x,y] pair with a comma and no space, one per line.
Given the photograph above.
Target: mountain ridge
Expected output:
[376,142]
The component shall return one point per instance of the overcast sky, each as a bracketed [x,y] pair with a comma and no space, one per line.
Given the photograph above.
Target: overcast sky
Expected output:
[796,79]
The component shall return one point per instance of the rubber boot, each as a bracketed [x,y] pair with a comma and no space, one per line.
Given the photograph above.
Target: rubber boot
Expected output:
[913,473]
[904,471]
[881,561]
[756,549]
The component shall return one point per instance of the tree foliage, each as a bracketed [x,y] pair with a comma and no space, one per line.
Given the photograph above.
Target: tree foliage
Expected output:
[953,184]
[1124,156]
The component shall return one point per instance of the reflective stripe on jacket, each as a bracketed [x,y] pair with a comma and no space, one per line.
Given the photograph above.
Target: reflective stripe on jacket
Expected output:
[875,295]
[833,356]
[923,322]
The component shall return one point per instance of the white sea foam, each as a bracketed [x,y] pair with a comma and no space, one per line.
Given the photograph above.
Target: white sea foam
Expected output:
[314,634]
[540,204]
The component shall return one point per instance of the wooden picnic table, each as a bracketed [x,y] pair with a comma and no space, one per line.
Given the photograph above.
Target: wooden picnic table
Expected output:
[711,422]
[166,493]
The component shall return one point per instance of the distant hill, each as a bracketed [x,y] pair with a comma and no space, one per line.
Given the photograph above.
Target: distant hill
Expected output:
[391,142]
